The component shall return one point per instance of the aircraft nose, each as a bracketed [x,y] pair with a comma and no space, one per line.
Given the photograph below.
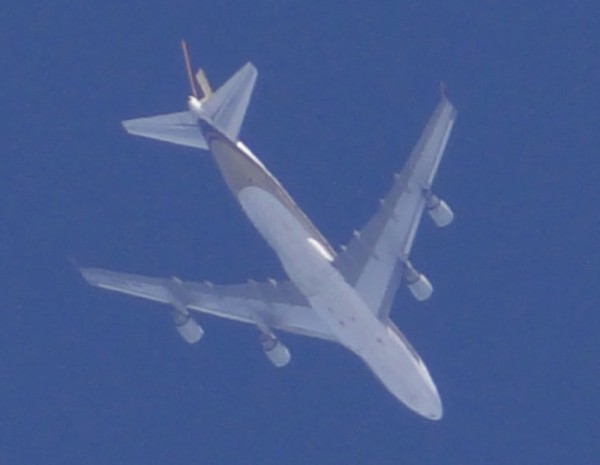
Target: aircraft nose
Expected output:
[431,403]
[434,409]
[436,414]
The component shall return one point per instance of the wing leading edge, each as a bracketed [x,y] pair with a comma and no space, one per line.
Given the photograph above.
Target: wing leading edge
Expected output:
[375,259]
[279,305]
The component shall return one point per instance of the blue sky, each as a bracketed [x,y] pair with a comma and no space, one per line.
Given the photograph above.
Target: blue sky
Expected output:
[344,89]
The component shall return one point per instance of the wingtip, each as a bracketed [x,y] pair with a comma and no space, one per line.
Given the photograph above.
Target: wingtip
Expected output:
[75,263]
[81,270]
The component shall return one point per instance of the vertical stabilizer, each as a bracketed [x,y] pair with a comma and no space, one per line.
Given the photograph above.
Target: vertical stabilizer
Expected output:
[223,109]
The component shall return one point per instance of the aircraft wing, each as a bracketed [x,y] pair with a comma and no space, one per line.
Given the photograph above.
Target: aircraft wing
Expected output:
[374,260]
[279,305]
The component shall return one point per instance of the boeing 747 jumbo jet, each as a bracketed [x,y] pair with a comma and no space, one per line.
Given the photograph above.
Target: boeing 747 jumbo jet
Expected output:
[344,296]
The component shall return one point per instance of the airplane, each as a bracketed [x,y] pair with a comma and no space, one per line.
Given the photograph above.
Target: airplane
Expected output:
[345,296]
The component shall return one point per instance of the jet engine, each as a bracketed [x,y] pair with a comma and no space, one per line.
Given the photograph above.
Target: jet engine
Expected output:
[187,327]
[418,284]
[439,211]
[277,353]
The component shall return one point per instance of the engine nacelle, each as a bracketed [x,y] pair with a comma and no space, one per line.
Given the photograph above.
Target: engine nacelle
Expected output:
[421,289]
[277,353]
[418,284]
[439,211]
[187,327]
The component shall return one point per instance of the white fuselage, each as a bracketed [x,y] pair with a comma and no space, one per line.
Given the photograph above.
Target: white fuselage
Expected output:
[307,260]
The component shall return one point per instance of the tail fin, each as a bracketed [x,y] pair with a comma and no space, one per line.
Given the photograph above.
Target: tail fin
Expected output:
[224,109]
[200,76]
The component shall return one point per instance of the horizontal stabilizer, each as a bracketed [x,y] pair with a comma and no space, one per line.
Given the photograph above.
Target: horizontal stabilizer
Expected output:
[177,128]
[225,109]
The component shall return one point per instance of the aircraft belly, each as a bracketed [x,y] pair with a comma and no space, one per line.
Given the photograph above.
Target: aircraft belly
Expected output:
[349,295]
[284,232]
[387,355]
[339,306]
[241,170]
